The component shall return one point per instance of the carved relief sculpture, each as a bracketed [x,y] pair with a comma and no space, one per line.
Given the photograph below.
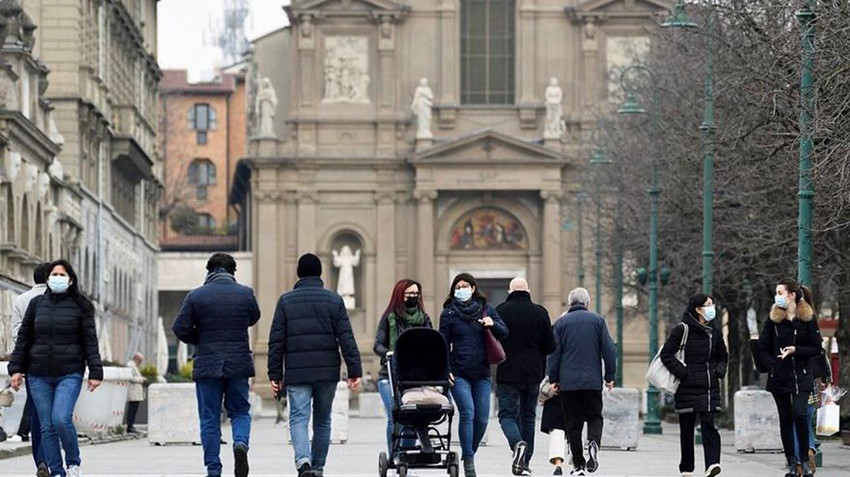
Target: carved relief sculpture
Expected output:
[423,101]
[11,166]
[266,106]
[346,261]
[32,176]
[346,70]
[554,127]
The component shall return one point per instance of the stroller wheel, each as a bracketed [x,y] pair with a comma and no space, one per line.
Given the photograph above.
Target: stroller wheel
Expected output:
[383,465]
[402,470]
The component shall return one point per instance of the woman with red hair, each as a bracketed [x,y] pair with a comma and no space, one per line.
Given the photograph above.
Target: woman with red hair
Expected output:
[404,311]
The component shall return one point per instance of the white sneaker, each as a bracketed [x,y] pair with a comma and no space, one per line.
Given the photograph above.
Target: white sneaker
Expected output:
[14,438]
[687,474]
[579,472]
[74,471]
[712,470]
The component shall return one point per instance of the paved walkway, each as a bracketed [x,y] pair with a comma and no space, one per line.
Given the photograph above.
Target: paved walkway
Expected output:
[656,456]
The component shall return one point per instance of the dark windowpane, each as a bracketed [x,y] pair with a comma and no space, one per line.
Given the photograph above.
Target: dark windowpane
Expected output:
[202,117]
[201,137]
[487,51]
[201,193]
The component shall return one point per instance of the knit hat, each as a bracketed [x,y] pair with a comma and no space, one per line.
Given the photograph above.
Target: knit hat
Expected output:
[309,265]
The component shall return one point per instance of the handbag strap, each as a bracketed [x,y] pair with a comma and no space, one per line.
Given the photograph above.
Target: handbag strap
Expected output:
[684,340]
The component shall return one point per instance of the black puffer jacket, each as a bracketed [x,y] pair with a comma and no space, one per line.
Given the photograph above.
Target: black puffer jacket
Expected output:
[57,337]
[215,318]
[465,337]
[310,327]
[529,340]
[706,359]
[382,339]
[792,374]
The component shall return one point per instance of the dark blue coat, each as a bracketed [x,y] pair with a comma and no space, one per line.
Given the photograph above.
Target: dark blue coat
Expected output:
[215,318]
[310,328]
[468,356]
[581,342]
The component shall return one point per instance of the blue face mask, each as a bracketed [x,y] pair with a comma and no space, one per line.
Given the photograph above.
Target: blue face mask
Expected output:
[58,283]
[780,301]
[463,294]
[710,313]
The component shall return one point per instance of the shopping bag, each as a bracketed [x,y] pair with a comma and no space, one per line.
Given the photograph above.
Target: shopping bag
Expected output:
[659,376]
[828,419]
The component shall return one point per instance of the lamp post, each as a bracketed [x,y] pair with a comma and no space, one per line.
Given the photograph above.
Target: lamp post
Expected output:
[580,198]
[806,18]
[680,19]
[652,424]
[598,158]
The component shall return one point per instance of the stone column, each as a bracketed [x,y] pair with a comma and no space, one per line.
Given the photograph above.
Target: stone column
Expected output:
[590,53]
[425,244]
[265,284]
[552,292]
[306,223]
[385,252]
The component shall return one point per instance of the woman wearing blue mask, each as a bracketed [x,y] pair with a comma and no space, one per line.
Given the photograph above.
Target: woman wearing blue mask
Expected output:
[55,344]
[698,397]
[465,317]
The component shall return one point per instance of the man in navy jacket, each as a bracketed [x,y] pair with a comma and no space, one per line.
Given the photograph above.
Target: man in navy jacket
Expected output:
[582,344]
[309,329]
[215,319]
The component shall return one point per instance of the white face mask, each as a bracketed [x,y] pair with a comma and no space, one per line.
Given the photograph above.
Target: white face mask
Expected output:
[780,301]
[58,283]
[710,312]
[463,294]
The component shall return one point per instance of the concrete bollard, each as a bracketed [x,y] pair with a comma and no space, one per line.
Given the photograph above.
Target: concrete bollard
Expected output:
[756,422]
[173,414]
[621,411]
[371,406]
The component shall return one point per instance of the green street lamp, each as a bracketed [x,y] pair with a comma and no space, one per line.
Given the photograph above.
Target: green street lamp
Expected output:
[680,19]
[806,19]
[581,197]
[652,424]
[598,158]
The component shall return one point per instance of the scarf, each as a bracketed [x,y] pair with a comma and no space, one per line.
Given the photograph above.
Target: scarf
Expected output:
[412,318]
[219,273]
[471,310]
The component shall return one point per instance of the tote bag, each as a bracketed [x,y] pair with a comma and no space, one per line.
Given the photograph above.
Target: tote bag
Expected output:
[659,376]
[494,349]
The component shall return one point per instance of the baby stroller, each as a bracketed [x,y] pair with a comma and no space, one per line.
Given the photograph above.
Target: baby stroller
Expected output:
[421,359]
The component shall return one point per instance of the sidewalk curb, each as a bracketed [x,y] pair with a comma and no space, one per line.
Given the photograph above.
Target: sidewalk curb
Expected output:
[84,441]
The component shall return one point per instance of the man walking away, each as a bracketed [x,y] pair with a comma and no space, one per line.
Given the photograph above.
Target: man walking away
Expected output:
[582,343]
[518,378]
[136,391]
[29,420]
[309,329]
[215,318]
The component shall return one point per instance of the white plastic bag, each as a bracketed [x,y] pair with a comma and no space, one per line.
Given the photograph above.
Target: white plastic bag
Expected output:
[828,419]
[659,376]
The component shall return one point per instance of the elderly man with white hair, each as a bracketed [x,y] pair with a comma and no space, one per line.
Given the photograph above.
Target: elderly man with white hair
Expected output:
[582,344]
[136,391]
[528,343]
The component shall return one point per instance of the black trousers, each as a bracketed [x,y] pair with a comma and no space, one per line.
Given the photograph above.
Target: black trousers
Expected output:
[710,439]
[132,409]
[24,428]
[792,416]
[581,407]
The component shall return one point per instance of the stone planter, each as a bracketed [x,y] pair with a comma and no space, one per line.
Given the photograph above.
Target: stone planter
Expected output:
[173,414]
[621,411]
[756,422]
[101,411]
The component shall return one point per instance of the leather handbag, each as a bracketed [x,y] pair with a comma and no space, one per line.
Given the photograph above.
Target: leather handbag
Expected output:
[494,349]
[659,376]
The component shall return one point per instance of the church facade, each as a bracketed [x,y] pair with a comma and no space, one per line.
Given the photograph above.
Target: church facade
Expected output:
[418,136]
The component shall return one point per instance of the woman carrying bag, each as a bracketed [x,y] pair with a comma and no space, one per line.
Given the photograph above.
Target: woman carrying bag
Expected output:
[698,397]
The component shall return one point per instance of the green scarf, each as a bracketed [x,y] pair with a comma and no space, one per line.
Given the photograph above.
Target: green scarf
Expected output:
[413,317]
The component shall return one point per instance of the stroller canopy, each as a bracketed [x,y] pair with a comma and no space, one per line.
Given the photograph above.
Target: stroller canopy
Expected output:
[421,354]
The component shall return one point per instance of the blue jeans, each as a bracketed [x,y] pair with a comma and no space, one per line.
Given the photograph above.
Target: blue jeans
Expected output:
[387,397]
[54,399]
[210,392]
[303,397]
[35,429]
[473,405]
[517,411]
[810,412]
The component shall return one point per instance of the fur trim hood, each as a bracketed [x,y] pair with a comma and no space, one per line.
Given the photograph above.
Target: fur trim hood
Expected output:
[804,312]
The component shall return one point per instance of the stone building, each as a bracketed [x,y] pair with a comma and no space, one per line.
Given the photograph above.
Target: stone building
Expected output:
[103,78]
[433,137]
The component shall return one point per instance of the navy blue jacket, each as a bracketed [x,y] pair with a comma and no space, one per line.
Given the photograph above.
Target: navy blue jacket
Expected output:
[468,356]
[581,342]
[310,328]
[215,319]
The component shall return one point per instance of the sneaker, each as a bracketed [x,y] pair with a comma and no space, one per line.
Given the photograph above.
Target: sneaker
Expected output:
[712,470]
[14,438]
[558,471]
[519,458]
[578,471]
[304,470]
[74,471]
[593,456]
[42,470]
[687,474]
[240,456]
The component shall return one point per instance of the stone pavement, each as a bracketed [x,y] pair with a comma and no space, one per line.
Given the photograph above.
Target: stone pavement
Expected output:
[656,456]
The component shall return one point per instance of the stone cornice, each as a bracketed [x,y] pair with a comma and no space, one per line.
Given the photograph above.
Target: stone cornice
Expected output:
[23,130]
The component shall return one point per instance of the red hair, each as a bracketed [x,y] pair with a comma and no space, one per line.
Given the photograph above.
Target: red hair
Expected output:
[396,304]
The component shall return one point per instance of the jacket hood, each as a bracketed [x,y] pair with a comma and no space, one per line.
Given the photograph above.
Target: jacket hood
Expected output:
[804,312]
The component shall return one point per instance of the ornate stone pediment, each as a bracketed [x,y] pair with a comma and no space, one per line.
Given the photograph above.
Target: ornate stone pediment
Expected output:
[371,8]
[619,8]
[488,147]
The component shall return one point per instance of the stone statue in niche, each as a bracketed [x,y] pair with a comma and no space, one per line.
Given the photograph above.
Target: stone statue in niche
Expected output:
[423,101]
[346,70]
[11,166]
[346,261]
[554,127]
[266,106]
[590,29]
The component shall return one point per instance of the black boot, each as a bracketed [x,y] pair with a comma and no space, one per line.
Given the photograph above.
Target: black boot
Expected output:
[469,467]
[792,467]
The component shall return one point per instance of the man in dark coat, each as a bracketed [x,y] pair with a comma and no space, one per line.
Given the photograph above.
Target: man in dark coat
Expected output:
[518,378]
[582,344]
[215,319]
[310,327]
